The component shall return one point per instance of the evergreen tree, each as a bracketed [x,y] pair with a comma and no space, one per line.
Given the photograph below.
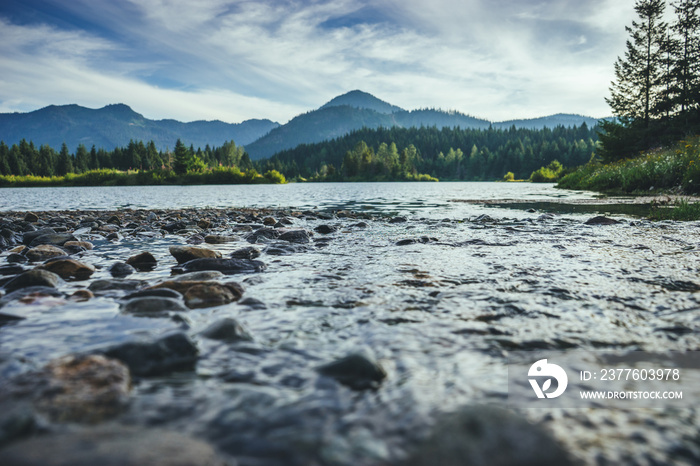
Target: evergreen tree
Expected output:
[82,159]
[636,93]
[65,161]
[685,72]
[182,158]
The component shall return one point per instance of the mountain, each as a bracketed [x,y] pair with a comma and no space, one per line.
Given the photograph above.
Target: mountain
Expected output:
[362,100]
[115,125]
[552,121]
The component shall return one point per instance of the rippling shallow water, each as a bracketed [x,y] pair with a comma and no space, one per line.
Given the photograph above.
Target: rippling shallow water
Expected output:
[439,316]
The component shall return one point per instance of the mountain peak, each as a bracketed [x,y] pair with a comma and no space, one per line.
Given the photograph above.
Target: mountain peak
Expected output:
[360,99]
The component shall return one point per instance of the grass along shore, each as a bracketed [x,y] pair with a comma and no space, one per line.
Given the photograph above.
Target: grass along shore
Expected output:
[674,170]
[111,177]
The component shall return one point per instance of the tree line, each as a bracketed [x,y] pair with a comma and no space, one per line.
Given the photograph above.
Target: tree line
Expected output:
[27,159]
[448,153]
[656,92]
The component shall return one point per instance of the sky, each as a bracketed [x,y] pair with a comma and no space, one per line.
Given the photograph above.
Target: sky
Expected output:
[235,60]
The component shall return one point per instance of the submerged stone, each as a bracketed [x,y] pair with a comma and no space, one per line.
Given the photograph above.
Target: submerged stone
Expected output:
[112,446]
[358,371]
[226,266]
[142,262]
[175,352]
[488,436]
[602,220]
[227,329]
[152,305]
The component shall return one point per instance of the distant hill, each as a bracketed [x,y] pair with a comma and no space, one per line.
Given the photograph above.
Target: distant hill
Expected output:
[115,125]
[552,121]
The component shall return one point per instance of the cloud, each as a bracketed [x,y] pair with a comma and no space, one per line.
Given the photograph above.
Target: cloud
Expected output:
[234,60]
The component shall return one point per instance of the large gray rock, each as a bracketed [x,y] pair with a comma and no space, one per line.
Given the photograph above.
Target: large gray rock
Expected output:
[488,436]
[36,277]
[175,352]
[112,446]
[358,371]
[226,266]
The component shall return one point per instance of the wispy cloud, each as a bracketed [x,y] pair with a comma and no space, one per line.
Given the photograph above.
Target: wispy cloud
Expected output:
[234,60]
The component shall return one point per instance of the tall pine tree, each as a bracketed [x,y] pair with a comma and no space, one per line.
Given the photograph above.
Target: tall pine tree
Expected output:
[637,90]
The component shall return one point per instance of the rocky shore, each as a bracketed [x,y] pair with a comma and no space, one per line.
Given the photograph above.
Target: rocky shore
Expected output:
[256,336]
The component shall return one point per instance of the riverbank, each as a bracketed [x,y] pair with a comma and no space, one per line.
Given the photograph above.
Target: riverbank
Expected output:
[111,177]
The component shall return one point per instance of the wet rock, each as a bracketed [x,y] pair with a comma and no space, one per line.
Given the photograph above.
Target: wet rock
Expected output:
[227,329]
[325,229]
[142,262]
[175,352]
[30,292]
[284,249]
[85,388]
[204,224]
[81,296]
[120,269]
[204,275]
[114,220]
[112,446]
[11,269]
[253,303]
[296,236]
[601,220]
[360,225]
[151,217]
[226,266]
[269,221]
[184,254]
[69,269]
[116,284]
[31,235]
[246,253]
[488,436]
[422,239]
[113,237]
[175,226]
[36,277]
[31,217]
[484,219]
[219,239]
[88,246]
[56,239]
[156,292]
[358,371]
[398,220]
[152,305]
[212,294]
[44,252]
[262,234]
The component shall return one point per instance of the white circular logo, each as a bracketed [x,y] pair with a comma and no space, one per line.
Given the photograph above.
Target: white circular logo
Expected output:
[542,369]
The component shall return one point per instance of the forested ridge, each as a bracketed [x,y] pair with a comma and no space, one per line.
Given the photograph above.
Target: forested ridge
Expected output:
[446,153]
